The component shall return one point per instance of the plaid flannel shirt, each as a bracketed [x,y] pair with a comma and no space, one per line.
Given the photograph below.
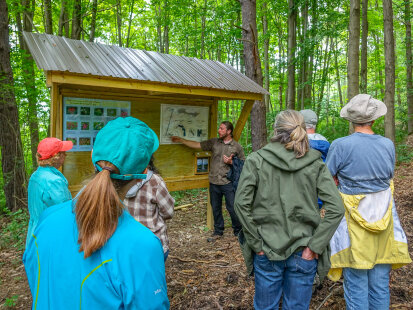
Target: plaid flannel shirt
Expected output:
[152,206]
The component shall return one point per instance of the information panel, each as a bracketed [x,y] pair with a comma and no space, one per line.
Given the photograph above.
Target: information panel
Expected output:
[84,117]
[188,122]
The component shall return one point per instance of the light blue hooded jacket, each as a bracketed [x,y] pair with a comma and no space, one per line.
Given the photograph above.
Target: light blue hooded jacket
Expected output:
[47,187]
[128,272]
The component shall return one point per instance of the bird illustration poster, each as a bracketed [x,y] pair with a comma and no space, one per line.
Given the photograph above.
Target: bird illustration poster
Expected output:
[188,122]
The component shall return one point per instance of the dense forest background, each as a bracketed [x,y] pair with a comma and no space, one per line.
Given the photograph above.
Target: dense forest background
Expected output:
[306,53]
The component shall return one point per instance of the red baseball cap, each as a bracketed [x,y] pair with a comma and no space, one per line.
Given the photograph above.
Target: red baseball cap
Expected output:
[51,146]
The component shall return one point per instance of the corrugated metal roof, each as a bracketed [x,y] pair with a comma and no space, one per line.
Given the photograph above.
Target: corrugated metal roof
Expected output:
[53,53]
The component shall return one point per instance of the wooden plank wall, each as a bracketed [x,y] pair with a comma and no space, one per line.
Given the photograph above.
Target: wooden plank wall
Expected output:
[175,162]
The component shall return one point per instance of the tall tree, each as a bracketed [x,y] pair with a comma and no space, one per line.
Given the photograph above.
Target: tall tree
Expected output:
[48,18]
[166,27]
[129,22]
[119,22]
[309,94]
[253,71]
[389,56]
[378,60]
[93,21]
[266,35]
[363,60]
[77,19]
[292,17]
[409,84]
[353,50]
[29,75]
[305,94]
[12,160]
[338,75]
[203,30]
[63,20]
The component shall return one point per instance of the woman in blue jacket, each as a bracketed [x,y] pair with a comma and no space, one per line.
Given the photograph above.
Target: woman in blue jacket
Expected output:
[47,185]
[89,253]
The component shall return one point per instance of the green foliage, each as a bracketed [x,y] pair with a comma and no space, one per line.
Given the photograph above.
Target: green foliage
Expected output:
[11,302]
[188,196]
[212,30]
[14,229]
[404,153]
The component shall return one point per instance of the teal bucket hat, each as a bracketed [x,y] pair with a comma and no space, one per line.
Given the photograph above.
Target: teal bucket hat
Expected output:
[127,143]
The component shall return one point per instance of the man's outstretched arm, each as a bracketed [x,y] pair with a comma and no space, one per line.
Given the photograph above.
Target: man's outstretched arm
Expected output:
[188,143]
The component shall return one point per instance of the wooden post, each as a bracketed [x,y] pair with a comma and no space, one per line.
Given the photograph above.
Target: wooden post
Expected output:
[213,133]
[53,108]
[243,117]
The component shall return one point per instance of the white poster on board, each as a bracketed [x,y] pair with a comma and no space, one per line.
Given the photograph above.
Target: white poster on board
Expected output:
[84,117]
[188,122]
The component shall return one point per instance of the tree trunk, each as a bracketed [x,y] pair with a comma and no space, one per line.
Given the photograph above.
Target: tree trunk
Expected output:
[119,22]
[280,67]
[389,57]
[253,71]
[353,50]
[324,75]
[48,25]
[266,60]
[409,84]
[363,60]
[158,12]
[29,80]
[308,94]
[338,75]
[76,19]
[203,21]
[166,38]
[63,20]
[93,21]
[292,16]
[378,64]
[12,159]
[304,67]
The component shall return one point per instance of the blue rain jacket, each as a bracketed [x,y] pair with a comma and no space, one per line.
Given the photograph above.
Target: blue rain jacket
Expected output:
[47,187]
[128,272]
[320,144]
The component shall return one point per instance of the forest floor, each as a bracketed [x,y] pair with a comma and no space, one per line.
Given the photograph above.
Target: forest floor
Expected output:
[204,274]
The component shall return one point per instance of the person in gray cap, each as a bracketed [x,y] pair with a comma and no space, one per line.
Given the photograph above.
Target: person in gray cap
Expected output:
[317,141]
[369,241]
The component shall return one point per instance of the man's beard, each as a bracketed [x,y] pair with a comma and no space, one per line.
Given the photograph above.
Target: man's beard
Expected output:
[225,136]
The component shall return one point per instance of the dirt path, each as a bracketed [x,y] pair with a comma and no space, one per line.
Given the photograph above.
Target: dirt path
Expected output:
[212,275]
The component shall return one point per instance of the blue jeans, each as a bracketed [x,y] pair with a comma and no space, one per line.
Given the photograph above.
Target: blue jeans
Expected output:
[292,277]
[367,288]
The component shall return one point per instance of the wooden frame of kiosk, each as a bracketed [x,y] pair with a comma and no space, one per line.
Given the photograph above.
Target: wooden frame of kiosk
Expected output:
[93,83]
[177,163]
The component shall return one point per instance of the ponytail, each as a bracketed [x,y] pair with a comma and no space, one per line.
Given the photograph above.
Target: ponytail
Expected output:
[97,210]
[289,129]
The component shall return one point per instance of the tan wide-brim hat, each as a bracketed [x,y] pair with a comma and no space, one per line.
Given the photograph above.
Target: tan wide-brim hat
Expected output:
[363,108]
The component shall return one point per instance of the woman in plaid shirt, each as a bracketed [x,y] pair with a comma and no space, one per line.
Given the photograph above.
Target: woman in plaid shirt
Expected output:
[150,203]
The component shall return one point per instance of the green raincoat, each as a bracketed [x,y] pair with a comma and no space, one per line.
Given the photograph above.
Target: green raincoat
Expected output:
[276,202]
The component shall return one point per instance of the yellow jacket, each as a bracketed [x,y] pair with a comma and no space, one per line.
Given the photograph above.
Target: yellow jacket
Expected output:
[368,236]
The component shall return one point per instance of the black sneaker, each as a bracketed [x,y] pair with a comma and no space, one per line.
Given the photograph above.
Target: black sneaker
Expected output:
[217,234]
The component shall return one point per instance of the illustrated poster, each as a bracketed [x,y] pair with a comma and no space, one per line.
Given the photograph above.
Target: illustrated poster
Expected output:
[188,122]
[83,118]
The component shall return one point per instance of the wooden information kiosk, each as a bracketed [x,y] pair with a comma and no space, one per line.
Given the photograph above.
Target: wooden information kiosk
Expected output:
[93,83]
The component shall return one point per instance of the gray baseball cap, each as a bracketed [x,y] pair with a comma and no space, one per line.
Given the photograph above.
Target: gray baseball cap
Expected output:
[310,117]
[363,108]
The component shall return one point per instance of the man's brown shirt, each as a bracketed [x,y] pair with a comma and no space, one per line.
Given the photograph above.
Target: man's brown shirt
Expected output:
[218,170]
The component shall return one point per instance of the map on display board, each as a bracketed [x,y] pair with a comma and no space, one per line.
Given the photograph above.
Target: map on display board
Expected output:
[188,122]
[84,117]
